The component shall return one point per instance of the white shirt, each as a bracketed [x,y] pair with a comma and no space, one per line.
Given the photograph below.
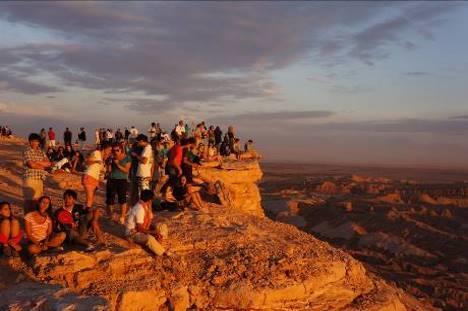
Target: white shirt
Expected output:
[180,129]
[135,216]
[165,137]
[152,132]
[133,132]
[94,170]
[144,170]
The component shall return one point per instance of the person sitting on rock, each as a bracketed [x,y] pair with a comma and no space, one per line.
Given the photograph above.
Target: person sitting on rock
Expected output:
[10,231]
[190,160]
[73,219]
[138,225]
[77,162]
[39,226]
[51,155]
[183,195]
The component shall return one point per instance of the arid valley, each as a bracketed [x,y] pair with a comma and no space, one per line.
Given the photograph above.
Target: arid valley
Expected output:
[409,226]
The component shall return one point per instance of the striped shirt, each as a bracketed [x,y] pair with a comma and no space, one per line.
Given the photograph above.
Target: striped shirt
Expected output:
[33,155]
[38,230]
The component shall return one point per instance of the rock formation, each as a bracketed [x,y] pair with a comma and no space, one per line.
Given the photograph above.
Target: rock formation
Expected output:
[240,180]
[414,234]
[220,259]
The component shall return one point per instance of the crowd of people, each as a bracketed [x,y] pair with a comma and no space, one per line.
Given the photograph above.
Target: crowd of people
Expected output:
[136,168]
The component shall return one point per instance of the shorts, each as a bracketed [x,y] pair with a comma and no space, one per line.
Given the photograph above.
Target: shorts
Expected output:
[116,187]
[143,183]
[89,182]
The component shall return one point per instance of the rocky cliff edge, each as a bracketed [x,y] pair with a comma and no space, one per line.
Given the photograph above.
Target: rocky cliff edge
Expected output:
[221,259]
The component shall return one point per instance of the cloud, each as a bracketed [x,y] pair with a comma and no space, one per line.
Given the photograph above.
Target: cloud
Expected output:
[167,49]
[261,117]
[348,90]
[417,73]
[21,85]
[461,117]
[368,44]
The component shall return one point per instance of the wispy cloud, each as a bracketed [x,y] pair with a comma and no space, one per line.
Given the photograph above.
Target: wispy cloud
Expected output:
[460,117]
[163,49]
[258,117]
[417,73]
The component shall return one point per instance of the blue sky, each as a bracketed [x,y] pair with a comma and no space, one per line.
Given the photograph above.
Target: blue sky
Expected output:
[334,82]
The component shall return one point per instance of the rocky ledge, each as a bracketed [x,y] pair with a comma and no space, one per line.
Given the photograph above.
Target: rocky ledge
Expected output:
[221,258]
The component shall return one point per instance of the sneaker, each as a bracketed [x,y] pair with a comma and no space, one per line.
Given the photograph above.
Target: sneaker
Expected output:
[59,249]
[90,248]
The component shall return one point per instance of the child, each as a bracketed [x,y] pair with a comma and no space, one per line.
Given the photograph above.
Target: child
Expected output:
[10,231]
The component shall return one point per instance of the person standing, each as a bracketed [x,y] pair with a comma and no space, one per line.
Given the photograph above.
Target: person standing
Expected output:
[51,135]
[152,131]
[117,183]
[67,137]
[90,181]
[180,129]
[82,138]
[133,135]
[35,163]
[218,137]
[97,137]
[144,171]
[43,135]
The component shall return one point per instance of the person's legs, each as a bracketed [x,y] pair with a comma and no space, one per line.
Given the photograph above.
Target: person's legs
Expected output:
[77,238]
[154,245]
[89,185]
[32,191]
[56,239]
[14,228]
[110,196]
[34,249]
[122,198]
[16,235]
[196,200]
[94,218]
[4,231]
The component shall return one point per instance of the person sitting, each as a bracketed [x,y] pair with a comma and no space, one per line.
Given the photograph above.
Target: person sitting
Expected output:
[190,160]
[10,231]
[50,154]
[183,195]
[39,226]
[138,225]
[249,151]
[77,162]
[211,154]
[73,219]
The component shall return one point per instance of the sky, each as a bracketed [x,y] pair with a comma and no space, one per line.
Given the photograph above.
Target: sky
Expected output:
[362,83]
